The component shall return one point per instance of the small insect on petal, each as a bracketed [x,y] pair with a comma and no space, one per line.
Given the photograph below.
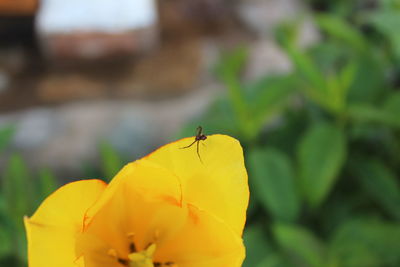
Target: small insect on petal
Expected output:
[199,137]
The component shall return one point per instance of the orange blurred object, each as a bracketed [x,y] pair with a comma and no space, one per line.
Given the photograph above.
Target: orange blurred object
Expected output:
[18,7]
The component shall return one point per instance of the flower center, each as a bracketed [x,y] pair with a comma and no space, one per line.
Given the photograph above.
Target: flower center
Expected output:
[142,258]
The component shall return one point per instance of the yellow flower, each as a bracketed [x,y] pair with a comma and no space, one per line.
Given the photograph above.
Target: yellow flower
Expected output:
[168,209]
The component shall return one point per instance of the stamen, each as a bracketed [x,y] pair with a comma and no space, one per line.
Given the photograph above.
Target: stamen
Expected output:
[123,262]
[168,263]
[142,258]
[132,247]
[131,236]
[150,250]
[113,253]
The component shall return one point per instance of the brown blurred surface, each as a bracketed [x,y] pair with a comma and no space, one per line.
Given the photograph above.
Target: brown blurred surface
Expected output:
[91,45]
[173,67]
[18,7]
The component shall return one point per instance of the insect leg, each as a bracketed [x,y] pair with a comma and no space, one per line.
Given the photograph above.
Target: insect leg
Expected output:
[189,145]
[198,153]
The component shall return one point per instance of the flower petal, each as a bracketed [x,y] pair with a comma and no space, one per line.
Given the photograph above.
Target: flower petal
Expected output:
[141,176]
[204,241]
[52,230]
[216,183]
[143,200]
[145,222]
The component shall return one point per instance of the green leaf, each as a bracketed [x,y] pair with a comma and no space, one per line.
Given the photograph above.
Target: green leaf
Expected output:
[366,243]
[316,87]
[381,184]
[5,232]
[270,96]
[110,161]
[293,123]
[321,155]
[5,136]
[19,201]
[232,63]
[370,82]
[5,242]
[369,113]
[327,54]
[16,189]
[390,4]
[347,76]
[340,208]
[301,245]
[392,106]
[274,260]
[272,175]
[311,78]
[343,31]
[257,246]
[229,72]
[47,183]
[287,33]
[336,97]
[388,23]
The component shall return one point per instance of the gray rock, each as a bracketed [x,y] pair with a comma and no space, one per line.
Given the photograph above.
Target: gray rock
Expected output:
[65,137]
[34,128]
[308,33]
[262,16]
[266,58]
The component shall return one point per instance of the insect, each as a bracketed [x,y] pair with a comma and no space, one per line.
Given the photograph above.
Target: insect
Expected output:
[199,137]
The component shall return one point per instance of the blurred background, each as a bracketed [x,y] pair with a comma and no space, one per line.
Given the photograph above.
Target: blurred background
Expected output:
[310,88]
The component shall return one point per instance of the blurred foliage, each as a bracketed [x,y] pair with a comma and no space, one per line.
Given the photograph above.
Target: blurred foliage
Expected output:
[322,142]
[22,190]
[111,162]
[15,201]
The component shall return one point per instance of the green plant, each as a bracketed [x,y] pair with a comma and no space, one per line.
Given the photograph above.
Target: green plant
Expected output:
[22,191]
[322,142]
